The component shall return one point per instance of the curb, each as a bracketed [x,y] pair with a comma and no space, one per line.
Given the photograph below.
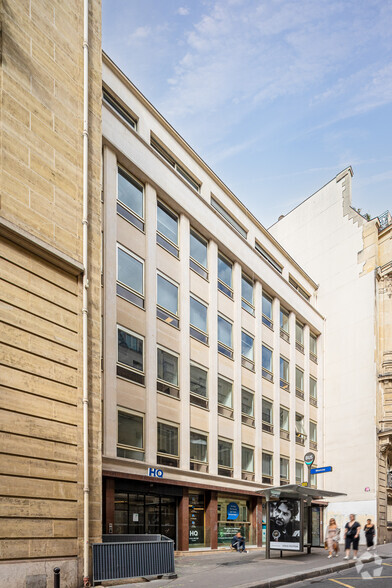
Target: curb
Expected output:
[291,579]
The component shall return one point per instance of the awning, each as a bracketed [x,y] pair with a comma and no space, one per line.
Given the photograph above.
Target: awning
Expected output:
[297,491]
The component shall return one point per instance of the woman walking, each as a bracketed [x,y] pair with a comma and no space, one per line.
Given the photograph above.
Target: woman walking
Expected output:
[351,535]
[332,538]
[369,534]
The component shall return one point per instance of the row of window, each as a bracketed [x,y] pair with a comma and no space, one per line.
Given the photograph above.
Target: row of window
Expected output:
[131,445]
[130,359]
[130,195]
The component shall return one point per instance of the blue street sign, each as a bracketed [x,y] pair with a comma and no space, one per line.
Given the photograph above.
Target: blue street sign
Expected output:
[321,470]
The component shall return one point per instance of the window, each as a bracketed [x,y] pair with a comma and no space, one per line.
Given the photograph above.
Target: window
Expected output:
[130,281]
[198,447]
[268,258]
[313,347]
[284,470]
[224,337]
[247,459]
[266,308]
[130,441]
[284,374]
[198,381]
[130,355]
[225,393]
[266,415]
[313,391]
[299,336]
[284,423]
[167,229]
[215,204]
[247,402]
[247,351]
[198,320]
[167,445]
[130,196]
[299,429]
[266,361]
[247,294]
[113,103]
[167,301]
[284,324]
[266,468]
[225,458]
[225,276]
[300,290]
[299,472]
[198,254]
[313,435]
[167,374]
[174,164]
[299,383]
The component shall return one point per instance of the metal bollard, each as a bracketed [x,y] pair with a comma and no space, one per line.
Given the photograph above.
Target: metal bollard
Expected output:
[56,578]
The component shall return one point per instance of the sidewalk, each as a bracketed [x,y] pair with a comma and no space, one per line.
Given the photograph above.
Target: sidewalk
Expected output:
[224,569]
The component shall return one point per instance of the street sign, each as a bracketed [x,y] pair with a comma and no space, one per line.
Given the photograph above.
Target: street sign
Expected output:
[321,470]
[304,484]
[309,458]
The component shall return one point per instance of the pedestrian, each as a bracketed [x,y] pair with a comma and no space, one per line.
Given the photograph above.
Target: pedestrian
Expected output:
[370,531]
[332,538]
[351,536]
[238,542]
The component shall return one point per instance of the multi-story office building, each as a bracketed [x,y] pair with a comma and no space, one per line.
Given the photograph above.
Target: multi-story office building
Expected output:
[212,345]
[350,256]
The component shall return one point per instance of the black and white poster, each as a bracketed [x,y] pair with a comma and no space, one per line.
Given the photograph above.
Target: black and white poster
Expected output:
[285,524]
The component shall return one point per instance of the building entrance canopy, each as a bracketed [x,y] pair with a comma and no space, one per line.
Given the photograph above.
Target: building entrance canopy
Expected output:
[291,517]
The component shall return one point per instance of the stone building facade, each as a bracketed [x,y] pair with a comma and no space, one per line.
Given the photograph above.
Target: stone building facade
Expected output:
[41,269]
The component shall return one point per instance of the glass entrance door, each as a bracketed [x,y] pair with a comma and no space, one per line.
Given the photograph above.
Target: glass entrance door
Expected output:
[152,515]
[168,517]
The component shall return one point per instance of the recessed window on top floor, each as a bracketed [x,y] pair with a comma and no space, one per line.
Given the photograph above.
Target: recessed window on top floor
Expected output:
[198,254]
[167,229]
[230,219]
[299,289]
[117,107]
[268,257]
[130,199]
[175,164]
[247,294]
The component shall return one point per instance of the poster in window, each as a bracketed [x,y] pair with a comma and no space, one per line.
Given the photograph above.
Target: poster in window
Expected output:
[285,524]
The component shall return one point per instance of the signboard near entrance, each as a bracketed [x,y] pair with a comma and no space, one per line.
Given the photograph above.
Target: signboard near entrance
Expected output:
[233,511]
[285,524]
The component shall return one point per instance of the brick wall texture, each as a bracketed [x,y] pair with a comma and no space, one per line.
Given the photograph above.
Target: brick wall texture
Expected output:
[41,433]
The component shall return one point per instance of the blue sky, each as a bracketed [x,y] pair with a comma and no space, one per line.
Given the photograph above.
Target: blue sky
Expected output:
[277,96]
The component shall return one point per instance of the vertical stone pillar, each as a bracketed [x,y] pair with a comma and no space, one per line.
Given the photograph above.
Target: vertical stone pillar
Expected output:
[237,401]
[258,382]
[211,519]
[257,520]
[293,353]
[213,371]
[183,522]
[184,313]
[276,364]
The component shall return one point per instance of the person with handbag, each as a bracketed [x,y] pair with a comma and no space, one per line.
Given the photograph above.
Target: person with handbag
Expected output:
[369,534]
[351,536]
[332,538]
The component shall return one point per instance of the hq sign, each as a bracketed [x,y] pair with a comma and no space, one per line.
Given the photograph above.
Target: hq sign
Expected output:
[155,473]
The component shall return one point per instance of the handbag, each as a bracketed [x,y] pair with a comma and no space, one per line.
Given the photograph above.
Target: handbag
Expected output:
[325,544]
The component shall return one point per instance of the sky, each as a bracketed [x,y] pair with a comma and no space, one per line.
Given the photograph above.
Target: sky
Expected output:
[277,96]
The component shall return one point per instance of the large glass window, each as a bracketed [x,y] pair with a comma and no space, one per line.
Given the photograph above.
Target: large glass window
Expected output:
[284,321]
[225,393]
[225,276]
[266,465]
[247,402]
[313,389]
[299,336]
[130,349]
[198,447]
[198,381]
[174,163]
[167,299]
[284,469]
[167,439]
[313,432]
[268,257]
[299,428]
[130,282]
[284,373]
[198,254]
[266,361]
[299,382]
[284,419]
[225,453]
[313,346]
[198,320]
[215,204]
[267,408]
[224,337]
[299,472]
[247,294]
[248,460]
[266,309]
[167,367]
[130,441]
[130,192]
[247,344]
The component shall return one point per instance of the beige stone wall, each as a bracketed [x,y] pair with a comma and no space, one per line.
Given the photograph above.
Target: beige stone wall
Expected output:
[41,466]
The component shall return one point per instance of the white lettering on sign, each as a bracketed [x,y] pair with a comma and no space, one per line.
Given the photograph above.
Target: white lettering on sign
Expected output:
[155,473]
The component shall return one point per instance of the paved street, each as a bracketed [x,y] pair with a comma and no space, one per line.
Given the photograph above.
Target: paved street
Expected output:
[250,570]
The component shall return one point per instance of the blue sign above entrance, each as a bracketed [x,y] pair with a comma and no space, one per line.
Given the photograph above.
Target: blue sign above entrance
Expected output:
[233,511]
[321,470]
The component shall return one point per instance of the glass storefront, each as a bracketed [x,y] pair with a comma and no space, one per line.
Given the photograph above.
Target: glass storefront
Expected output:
[142,513]
[233,516]
[196,520]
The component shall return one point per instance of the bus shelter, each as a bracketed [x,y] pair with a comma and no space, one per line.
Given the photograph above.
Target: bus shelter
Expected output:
[289,517]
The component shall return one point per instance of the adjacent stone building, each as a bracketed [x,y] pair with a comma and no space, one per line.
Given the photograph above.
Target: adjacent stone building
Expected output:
[41,272]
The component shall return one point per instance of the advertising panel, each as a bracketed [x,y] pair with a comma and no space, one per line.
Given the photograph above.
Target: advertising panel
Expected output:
[285,524]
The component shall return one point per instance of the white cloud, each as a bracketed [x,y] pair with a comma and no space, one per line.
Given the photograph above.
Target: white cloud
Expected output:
[183,11]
